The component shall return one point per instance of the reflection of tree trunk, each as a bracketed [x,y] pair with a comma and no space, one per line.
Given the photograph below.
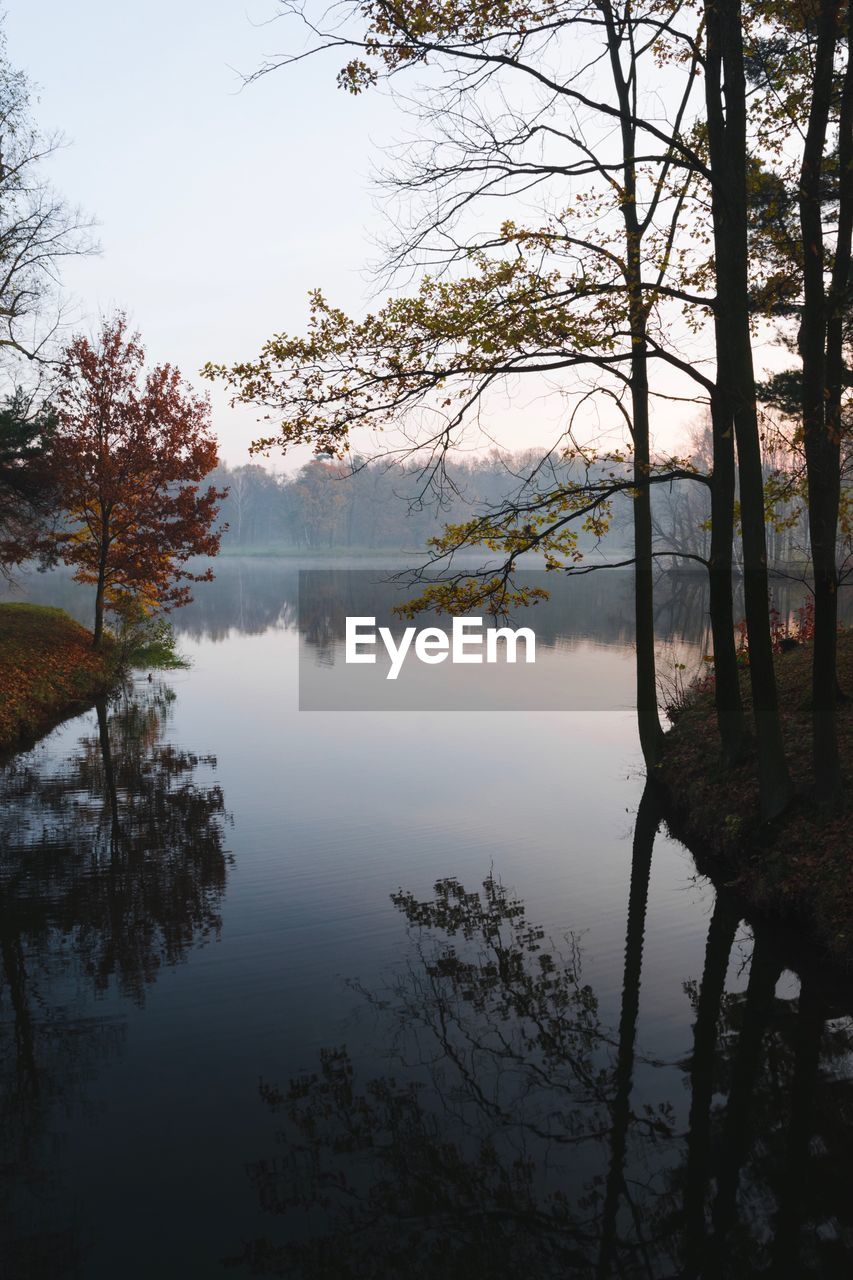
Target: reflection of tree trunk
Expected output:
[16,978]
[809,1031]
[763,976]
[113,883]
[648,820]
[721,934]
[109,772]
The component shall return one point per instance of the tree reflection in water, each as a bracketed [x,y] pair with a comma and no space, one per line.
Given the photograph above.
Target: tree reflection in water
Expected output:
[510,1136]
[112,864]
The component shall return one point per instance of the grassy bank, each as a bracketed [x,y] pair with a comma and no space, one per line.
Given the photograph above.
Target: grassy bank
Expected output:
[47,671]
[799,868]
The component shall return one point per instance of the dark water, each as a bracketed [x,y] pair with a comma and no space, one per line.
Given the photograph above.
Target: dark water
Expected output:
[392,994]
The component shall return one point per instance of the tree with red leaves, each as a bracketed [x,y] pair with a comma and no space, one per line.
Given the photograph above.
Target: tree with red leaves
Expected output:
[129,452]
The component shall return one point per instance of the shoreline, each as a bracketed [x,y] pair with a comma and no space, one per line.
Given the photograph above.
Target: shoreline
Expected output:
[796,870]
[48,672]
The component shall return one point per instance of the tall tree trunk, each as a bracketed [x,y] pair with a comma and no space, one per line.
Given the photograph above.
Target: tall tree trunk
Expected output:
[821,349]
[727,148]
[648,717]
[730,719]
[836,371]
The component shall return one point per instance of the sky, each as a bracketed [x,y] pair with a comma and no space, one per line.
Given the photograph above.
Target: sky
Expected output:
[218,206]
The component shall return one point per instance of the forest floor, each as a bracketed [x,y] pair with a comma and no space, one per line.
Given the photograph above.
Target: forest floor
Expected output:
[48,671]
[800,867]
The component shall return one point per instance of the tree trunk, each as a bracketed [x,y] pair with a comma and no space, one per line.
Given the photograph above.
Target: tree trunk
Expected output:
[821,349]
[729,705]
[98,633]
[648,717]
[727,148]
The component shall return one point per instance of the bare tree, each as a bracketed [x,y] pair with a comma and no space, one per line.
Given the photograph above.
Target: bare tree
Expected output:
[38,229]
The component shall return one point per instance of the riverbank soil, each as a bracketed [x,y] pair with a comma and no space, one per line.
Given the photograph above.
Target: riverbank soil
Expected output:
[48,670]
[800,867]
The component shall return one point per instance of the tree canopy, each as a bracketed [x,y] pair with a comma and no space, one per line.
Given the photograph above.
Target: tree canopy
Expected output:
[129,454]
[657,171]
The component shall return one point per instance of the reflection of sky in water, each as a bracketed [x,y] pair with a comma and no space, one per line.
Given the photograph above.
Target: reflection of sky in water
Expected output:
[565,677]
[329,814]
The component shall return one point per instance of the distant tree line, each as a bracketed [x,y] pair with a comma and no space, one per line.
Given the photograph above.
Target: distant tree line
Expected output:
[380,505]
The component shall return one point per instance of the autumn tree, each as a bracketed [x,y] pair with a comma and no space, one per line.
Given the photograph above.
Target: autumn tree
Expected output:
[129,455]
[643,151]
[577,295]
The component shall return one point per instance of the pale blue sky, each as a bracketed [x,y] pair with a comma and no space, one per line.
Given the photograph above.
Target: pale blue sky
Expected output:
[218,207]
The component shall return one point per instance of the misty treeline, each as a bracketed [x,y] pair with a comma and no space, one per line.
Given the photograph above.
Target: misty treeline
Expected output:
[250,595]
[383,505]
[369,505]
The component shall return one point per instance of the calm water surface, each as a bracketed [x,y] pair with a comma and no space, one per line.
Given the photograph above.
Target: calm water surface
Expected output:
[395,994]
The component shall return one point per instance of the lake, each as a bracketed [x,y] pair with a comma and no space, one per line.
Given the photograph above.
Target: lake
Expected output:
[396,993]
